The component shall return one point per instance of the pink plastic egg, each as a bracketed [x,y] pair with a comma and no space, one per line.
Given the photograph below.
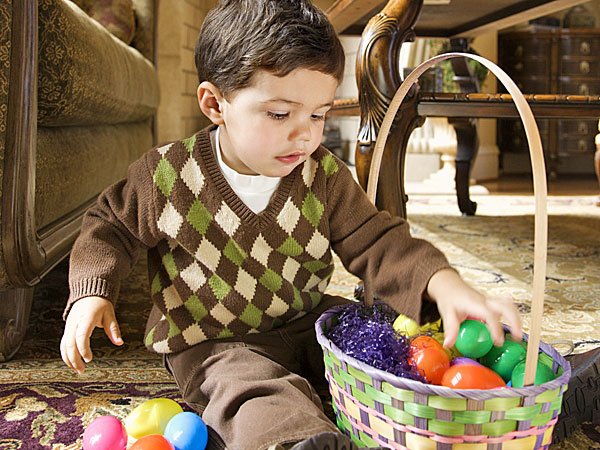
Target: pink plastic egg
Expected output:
[105,433]
[152,442]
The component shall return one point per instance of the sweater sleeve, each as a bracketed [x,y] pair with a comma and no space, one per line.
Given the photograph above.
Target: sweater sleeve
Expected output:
[379,248]
[113,231]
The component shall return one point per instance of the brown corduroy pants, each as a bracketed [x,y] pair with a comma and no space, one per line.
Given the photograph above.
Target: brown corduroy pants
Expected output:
[258,390]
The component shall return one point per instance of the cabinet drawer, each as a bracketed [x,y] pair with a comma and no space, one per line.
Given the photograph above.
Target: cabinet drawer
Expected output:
[578,128]
[519,67]
[512,138]
[568,85]
[574,146]
[524,48]
[585,67]
[533,85]
[580,45]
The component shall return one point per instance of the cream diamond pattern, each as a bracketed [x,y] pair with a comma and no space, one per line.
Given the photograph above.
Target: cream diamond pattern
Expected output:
[277,307]
[309,171]
[245,284]
[193,276]
[192,176]
[170,220]
[290,269]
[317,246]
[161,347]
[288,217]
[208,255]
[164,149]
[222,314]
[171,298]
[261,250]
[193,334]
[323,284]
[227,219]
[312,282]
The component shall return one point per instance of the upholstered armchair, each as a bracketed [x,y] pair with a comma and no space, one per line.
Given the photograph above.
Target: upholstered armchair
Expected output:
[77,106]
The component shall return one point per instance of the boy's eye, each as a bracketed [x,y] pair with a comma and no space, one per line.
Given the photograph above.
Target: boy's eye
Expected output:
[276,115]
[318,116]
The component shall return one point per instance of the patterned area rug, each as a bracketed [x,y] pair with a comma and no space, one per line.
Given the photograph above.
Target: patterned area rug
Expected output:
[45,406]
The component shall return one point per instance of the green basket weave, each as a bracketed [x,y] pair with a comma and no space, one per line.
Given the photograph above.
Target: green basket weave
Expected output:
[376,408]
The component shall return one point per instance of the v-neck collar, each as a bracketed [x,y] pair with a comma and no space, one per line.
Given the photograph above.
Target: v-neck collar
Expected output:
[209,164]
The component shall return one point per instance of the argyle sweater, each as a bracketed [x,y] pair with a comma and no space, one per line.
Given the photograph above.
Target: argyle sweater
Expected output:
[217,269]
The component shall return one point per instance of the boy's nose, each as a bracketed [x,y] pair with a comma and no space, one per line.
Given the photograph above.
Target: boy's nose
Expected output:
[302,132]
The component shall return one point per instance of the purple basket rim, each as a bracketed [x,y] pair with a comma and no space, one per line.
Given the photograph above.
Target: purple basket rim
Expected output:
[442,391]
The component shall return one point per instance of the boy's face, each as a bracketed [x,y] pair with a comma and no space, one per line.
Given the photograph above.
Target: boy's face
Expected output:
[276,123]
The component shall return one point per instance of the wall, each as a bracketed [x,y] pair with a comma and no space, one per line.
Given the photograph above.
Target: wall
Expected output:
[178,25]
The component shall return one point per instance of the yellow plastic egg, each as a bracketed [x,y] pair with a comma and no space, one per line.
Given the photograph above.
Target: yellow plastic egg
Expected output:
[406,326]
[151,417]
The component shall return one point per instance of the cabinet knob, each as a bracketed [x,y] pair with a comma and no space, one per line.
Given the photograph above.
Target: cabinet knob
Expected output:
[519,50]
[585,48]
[519,66]
[583,128]
[584,89]
[582,145]
[584,67]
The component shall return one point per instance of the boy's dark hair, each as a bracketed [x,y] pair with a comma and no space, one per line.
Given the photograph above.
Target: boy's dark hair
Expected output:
[239,37]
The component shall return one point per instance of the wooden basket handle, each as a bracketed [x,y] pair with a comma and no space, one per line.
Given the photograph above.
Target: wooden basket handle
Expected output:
[539,185]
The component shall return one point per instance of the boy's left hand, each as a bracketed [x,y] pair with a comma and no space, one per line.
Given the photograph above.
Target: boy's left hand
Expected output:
[457,301]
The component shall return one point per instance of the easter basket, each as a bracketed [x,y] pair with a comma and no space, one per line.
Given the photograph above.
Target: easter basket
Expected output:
[376,408]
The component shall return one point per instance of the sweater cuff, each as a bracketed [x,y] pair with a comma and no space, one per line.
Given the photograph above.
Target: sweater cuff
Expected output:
[91,287]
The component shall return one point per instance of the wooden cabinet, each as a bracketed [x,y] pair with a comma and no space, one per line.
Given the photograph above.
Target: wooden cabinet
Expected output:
[555,61]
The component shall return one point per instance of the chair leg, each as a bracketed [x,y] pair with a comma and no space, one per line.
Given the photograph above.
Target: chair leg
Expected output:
[467,145]
[597,167]
[15,306]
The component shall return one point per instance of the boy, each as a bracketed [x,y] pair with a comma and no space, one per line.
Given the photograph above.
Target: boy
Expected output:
[239,222]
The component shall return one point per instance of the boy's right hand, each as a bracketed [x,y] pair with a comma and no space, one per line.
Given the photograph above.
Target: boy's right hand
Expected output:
[86,314]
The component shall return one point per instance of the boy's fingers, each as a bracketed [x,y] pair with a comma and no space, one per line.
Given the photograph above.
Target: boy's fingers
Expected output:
[82,338]
[450,329]
[111,328]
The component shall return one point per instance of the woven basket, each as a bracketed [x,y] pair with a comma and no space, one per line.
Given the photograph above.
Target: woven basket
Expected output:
[376,408]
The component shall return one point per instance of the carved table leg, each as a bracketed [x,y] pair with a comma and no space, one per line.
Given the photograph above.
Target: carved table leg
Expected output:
[597,160]
[15,306]
[378,78]
[467,144]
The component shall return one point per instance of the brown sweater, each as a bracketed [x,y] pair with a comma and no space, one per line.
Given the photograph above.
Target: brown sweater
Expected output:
[217,269]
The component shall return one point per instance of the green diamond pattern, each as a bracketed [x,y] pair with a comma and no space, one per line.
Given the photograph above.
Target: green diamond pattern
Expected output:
[234,253]
[252,316]
[298,303]
[196,308]
[150,337]
[155,287]
[199,217]
[173,328]
[312,209]
[290,247]
[219,287]
[170,266]
[189,143]
[315,298]
[164,177]
[225,333]
[329,165]
[271,280]
[314,266]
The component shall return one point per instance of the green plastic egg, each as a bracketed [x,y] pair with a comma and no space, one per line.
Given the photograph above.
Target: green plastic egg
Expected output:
[543,374]
[474,339]
[503,359]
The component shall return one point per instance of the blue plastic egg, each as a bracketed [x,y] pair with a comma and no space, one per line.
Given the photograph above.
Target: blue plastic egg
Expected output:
[187,431]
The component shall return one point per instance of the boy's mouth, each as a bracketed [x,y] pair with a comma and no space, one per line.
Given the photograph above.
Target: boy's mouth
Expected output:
[291,158]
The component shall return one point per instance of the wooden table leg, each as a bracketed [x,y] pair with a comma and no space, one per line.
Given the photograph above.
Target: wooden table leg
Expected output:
[597,164]
[378,78]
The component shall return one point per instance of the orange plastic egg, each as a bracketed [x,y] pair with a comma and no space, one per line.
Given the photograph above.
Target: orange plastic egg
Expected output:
[429,357]
[467,376]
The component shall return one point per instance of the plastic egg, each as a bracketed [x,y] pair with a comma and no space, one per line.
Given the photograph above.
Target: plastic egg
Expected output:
[105,433]
[503,359]
[440,337]
[151,417]
[429,357]
[187,431]
[152,442]
[543,374]
[474,339]
[468,376]
[464,360]
[405,325]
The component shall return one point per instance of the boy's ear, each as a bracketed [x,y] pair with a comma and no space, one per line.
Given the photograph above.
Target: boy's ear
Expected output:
[209,100]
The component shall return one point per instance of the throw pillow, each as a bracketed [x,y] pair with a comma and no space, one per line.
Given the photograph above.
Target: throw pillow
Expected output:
[117,16]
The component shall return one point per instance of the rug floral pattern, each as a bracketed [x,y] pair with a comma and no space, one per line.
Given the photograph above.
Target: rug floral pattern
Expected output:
[45,406]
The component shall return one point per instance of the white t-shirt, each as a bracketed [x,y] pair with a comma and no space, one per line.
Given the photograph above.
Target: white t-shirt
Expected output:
[254,190]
